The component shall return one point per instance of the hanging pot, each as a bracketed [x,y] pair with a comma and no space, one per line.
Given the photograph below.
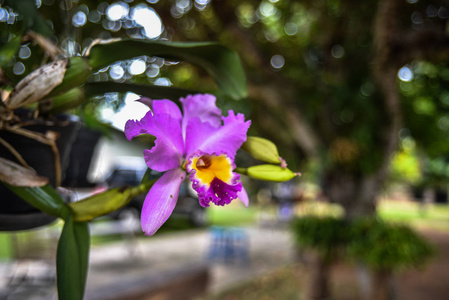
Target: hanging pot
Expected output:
[15,213]
[81,158]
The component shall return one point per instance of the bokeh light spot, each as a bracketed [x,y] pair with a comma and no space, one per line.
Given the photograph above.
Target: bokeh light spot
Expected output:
[3,15]
[162,82]
[116,72]
[277,61]
[337,51]
[79,19]
[137,67]
[24,52]
[19,68]
[405,74]
[267,9]
[290,28]
[117,11]
[153,71]
[148,19]
[94,16]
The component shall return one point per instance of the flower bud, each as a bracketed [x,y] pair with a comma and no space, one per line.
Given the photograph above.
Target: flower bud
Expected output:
[270,173]
[262,149]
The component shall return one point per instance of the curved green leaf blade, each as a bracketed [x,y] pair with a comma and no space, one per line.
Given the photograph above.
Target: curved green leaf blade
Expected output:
[151,91]
[106,202]
[43,198]
[31,16]
[220,62]
[69,100]
[76,74]
[8,50]
[72,260]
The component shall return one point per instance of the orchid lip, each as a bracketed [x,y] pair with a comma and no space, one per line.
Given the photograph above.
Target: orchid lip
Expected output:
[213,179]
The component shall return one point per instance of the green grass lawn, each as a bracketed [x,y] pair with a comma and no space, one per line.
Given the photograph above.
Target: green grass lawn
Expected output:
[5,246]
[434,216]
[232,215]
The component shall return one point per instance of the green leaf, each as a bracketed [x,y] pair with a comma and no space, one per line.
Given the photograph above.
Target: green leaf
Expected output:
[8,50]
[151,91]
[78,70]
[31,17]
[262,149]
[72,259]
[69,100]
[44,198]
[220,62]
[106,202]
[270,173]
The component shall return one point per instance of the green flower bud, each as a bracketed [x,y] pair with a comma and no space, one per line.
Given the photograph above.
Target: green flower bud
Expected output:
[262,149]
[270,173]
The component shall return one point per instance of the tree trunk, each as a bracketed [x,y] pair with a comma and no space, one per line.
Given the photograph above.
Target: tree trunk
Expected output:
[318,282]
[381,288]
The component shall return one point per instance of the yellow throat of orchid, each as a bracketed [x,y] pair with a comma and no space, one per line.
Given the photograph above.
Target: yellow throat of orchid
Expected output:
[209,167]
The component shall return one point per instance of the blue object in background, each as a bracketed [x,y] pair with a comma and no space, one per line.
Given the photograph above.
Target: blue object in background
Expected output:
[229,245]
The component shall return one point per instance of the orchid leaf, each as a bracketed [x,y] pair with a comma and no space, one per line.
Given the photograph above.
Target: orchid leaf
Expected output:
[8,50]
[44,198]
[106,202]
[69,100]
[78,70]
[72,259]
[270,173]
[151,91]
[30,15]
[220,62]
[17,175]
[262,149]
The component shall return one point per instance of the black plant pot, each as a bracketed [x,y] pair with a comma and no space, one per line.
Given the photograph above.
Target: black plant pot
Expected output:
[15,213]
[81,158]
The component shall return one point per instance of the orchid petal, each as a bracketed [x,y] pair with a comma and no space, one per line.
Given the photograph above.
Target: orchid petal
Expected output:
[164,106]
[201,106]
[161,200]
[225,139]
[243,196]
[134,128]
[168,148]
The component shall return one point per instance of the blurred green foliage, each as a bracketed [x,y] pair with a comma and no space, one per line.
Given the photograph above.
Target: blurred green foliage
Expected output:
[380,245]
[327,235]
[384,247]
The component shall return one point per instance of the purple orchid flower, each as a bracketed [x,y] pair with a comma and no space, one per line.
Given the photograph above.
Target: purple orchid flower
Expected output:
[201,143]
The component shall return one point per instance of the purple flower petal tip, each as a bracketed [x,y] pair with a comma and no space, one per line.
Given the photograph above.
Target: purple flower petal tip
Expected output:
[243,196]
[147,101]
[161,200]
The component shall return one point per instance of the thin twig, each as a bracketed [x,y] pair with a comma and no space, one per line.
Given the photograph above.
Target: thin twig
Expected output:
[45,140]
[14,152]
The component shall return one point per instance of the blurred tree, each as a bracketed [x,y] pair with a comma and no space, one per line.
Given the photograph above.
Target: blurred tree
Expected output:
[328,80]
